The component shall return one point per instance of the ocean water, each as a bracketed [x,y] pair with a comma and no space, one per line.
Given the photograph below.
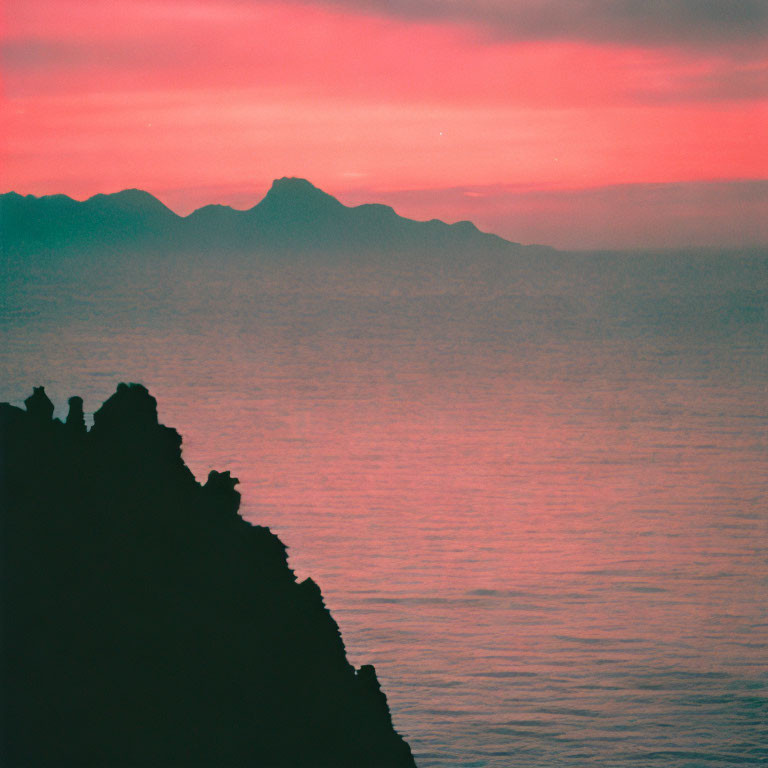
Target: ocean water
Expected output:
[534,497]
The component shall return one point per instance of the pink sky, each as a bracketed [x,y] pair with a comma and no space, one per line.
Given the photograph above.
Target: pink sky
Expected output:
[580,124]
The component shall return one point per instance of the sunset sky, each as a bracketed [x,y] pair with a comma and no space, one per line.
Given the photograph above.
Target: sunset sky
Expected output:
[577,123]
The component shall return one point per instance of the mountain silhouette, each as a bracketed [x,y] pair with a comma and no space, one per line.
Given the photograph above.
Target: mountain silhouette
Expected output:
[294,215]
[146,624]
[297,197]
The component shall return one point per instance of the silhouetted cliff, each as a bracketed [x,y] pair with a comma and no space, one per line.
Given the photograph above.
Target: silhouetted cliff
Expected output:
[145,623]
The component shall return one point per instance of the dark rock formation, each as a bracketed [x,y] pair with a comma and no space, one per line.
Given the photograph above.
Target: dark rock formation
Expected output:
[145,623]
[38,405]
[76,417]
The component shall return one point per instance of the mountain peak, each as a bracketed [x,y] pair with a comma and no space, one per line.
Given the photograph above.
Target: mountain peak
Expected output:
[292,191]
[293,185]
[130,199]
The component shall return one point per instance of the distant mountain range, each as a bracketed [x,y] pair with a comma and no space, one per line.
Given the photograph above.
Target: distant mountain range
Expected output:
[294,215]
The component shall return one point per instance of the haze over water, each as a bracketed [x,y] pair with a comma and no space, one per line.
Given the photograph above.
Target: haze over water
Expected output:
[534,499]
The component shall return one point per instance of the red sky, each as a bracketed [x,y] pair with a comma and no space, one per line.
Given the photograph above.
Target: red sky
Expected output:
[578,123]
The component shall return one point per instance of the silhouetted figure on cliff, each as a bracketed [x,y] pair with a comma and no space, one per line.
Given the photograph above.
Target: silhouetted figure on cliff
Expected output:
[145,623]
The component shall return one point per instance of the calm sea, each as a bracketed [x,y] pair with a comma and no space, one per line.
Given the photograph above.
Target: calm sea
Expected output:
[533,497]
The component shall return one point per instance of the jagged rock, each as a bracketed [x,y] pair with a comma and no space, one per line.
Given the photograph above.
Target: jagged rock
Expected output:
[220,482]
[145,623]
[75,416]
[129,409]
[39,406]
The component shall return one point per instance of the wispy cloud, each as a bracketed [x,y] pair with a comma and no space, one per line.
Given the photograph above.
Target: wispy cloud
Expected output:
[719,23]
[67,46]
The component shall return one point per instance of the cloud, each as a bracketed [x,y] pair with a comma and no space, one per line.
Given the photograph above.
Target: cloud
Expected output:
[35,54]
[710,25]
[719,82]
[302,49]
[698,23]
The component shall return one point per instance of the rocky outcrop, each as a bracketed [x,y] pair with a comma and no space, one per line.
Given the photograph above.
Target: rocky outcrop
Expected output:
[145,623]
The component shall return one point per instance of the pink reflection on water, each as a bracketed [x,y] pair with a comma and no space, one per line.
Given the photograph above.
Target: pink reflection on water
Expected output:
[549,542]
